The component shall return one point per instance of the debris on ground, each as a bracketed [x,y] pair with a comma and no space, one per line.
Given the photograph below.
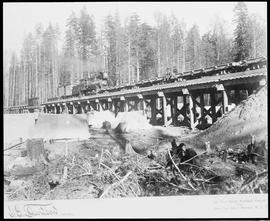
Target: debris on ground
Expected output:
[126,161]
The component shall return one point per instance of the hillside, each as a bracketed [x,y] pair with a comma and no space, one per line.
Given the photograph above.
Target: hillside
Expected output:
[236,127]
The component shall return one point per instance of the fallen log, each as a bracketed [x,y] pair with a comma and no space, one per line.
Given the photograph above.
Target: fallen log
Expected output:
[13,146]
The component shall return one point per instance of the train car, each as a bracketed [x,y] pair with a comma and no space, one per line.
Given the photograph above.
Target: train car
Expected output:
[61,91]
[33,101]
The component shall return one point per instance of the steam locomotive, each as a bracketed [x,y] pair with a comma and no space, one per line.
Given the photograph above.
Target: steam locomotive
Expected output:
[89,86]
[86,86]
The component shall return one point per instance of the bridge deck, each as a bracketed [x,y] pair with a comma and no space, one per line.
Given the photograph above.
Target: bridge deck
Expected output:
[200,83]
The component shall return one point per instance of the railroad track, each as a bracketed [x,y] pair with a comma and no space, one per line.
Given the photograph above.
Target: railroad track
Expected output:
[208,81]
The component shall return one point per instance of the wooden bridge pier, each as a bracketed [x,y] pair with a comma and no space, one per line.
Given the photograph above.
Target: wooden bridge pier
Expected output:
[64,108]
[197,108]
[116,106]
[97,105]
[193,108]
[71,108]
[110,105]
[54,110]
[104,105]
[196,103]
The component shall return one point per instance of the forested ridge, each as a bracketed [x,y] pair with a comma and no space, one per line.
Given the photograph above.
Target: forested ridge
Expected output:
[128,52]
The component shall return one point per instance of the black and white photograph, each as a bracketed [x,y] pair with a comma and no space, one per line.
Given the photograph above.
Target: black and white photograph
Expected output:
[129,101]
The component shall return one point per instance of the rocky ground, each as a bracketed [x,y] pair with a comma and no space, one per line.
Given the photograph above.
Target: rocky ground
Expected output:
[98,168]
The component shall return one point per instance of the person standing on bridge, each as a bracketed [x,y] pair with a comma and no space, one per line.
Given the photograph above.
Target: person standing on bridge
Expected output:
[168,74]
[174,71]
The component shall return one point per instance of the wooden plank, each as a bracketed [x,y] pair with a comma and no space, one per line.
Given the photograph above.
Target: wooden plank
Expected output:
[126,106]
[190,107]
[140,96]
[164,107]
[262,82]
[202,109]
[136,105]
[185,109]
[213,106]
[143,106]
[111,106]
[174,109]
[219,87]
[73,109]
[237,96]
[106,105]
[153,111]
[160,94]
[115,107]
[225,102]
[185,91]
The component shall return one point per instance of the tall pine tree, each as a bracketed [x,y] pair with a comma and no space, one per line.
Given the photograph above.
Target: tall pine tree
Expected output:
[242,37]
[193,51]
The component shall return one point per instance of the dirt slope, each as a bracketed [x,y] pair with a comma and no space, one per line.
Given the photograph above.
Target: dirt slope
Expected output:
[236,127]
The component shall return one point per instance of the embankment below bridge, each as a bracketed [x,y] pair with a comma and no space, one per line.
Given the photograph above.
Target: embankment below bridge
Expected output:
[237,126]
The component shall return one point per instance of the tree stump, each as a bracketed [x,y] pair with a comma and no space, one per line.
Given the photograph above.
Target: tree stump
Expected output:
[128,149]
[35,150]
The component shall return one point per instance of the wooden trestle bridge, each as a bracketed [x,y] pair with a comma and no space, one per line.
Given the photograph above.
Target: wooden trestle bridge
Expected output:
[186,101]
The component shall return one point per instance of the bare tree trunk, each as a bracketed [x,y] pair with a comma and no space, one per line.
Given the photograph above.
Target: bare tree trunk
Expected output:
[13,86]
[28,83]
[254,43]
[158,56]
[24,83]
[39,74]
[117,59]
[178,60]
[29,79]
[46,76]
[36,77]
[166,54]
[43,78]
[184,56]
[138,66]
[129,61]
[51,78]
[20,86]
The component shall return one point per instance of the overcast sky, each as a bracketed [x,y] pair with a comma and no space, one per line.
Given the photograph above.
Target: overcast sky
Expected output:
[21,18]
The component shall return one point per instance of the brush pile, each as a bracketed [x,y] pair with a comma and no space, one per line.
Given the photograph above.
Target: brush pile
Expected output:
[96,170]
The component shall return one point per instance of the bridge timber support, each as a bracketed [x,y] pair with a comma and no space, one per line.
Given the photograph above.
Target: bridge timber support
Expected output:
[195,103]
[197,107]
